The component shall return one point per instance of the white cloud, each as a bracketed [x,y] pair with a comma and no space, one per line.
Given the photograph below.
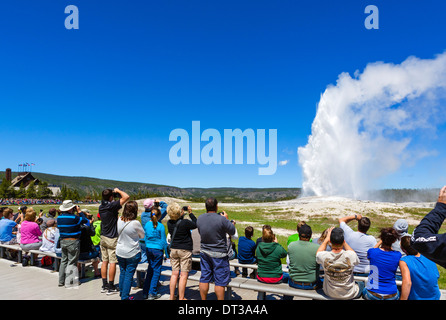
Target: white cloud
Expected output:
[284,162]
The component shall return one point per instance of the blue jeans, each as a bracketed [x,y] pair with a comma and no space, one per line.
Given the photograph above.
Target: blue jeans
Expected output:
[317,284]
[127,267]
[142,245]
[368,296]
[155,260]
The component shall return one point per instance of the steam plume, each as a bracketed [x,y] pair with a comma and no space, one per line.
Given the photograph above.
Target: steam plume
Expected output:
[365,125]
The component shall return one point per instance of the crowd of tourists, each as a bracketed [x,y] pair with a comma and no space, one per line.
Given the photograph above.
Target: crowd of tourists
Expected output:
[328,263]
[25,201]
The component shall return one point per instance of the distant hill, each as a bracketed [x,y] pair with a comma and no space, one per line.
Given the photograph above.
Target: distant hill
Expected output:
[87,185]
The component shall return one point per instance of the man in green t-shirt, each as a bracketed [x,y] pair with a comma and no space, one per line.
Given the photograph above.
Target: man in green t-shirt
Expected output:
[295,237]
[303,268]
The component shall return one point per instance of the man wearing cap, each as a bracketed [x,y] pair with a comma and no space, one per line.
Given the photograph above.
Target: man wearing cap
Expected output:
[109,211]
[401,227]
[338,267]
[69,225]
[303,268]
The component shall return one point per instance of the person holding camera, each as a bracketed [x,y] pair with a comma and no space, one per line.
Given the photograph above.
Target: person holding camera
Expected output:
[146,216]
[426,239]
[214,261]
[181,246]
[156,246]
[109,211]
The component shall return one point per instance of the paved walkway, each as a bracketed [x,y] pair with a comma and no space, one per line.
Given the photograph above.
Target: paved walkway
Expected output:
[36,283]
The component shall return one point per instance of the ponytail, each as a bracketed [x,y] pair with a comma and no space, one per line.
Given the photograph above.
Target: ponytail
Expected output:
[155,214]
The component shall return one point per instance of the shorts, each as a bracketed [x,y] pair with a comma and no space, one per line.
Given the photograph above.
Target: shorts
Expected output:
[215,269]
[181,259]
[108,249]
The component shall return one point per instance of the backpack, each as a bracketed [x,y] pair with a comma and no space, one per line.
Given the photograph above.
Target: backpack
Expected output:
[46,261]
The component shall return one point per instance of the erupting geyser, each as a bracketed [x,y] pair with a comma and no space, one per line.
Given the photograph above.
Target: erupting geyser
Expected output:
[365,125]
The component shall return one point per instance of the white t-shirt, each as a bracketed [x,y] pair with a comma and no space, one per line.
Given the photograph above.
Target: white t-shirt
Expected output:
[338,269]
[128,241]
[360,243]
[48,240]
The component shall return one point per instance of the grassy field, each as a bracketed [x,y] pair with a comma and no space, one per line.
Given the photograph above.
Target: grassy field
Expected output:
[283,221]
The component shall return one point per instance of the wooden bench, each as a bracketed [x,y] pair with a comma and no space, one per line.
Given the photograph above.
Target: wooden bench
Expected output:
[49,254]
[242,283]
[57,260]
[14,247]
[20,251]
[285,268]
[282,289]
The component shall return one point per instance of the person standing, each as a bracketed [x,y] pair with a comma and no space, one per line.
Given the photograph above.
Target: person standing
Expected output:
[156,245]
[69,224]
[128,250]
[181,246]
[109,211]
[214,262]
[146,216]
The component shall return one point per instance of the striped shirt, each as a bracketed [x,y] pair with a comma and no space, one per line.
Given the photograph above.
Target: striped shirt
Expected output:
[69,225]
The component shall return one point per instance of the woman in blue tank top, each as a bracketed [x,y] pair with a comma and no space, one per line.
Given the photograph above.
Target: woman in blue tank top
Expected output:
[420,275]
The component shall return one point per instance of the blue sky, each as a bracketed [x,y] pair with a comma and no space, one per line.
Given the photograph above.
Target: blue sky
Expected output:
[101,101]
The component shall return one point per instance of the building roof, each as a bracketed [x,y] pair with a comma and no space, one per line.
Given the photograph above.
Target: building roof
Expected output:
[24,178]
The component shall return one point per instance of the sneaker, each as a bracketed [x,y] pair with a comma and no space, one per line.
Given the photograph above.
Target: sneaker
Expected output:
[112,289]
[104,288]
[153,297]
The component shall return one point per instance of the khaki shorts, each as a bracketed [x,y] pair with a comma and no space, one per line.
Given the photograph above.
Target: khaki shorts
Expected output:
[108,249]
[181,260]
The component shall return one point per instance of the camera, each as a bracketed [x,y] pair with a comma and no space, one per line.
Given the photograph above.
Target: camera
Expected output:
[185,208]
[156,204]
[116,195]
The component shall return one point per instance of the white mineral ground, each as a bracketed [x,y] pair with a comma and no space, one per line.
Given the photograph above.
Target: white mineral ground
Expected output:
[307,208]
